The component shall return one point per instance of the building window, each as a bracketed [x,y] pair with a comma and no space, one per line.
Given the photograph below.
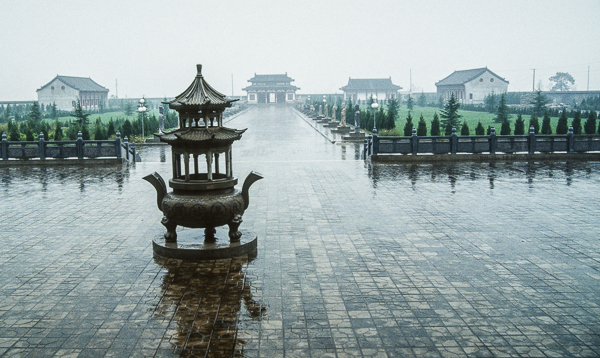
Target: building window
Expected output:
[470,95]
[481,80]
[62,88]
[491,80]
[290,96]
[52,88]
[252,97]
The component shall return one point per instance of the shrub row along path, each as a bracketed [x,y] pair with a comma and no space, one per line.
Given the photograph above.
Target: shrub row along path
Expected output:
[354,260]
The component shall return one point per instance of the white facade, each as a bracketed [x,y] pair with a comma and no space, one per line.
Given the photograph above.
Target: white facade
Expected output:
[471,86]
[66,91]
[60,93]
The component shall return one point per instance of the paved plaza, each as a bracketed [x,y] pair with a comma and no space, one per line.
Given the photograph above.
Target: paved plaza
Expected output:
[353,260]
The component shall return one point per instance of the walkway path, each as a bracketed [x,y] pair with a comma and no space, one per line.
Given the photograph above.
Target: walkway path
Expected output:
[354,261]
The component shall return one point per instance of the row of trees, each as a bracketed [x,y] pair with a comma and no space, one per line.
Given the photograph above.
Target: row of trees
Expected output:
[450,118]
[33,124]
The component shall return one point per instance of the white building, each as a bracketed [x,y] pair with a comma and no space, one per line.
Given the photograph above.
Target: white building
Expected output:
[471,86]
[364,88]
[66,90]
[271,89]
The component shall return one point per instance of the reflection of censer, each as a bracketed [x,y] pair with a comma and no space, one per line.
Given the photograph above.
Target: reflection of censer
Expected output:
[201,199]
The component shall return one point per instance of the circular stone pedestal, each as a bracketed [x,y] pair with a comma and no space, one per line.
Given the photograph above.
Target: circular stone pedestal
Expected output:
[190,245]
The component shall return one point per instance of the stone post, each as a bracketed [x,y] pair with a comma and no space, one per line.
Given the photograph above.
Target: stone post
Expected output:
[127,148]
[414,141]
[531,140]
[453,141]
[356,118]
[79,146]
[42,146]
[570,140]
[375,143]
[493,141]
[118,145]
[4,147]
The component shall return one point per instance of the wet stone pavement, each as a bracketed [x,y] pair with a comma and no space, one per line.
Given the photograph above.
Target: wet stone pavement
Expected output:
[353,260]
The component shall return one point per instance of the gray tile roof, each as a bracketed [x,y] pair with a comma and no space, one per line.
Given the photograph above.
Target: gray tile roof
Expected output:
[271,78]
[370,84]
[83,84]
[464,76]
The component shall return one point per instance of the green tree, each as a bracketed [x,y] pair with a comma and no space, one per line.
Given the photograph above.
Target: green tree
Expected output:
[85,133]
[589,127]
[490,102]
[502,113]
[392,114]
[535,123]
[539,103]
[546,129]
[422,101]
[53,111]
[576,124]
[479,130]
[422,127]
[35,114]
[111,128]
[450,115]
[562,127]
[408,126]
[464,130]
[13,132]
[128,108]
[58,133]
[410,103]
[519,125]
[435,125]
[562,81]
[82,118]
[505,129]
[127,129]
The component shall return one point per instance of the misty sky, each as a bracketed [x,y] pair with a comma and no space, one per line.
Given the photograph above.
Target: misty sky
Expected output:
[152,47]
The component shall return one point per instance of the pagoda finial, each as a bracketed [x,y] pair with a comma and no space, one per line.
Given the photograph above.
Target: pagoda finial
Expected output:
[199,68]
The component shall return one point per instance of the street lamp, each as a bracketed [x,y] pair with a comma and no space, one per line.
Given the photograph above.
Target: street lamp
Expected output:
[325,107]
[142,109]
[374,105]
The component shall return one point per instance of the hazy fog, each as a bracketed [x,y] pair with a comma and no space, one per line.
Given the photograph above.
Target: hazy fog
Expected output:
[152,47]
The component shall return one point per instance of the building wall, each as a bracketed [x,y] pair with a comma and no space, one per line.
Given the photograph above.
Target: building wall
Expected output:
[366,95]
[271,97]
[66,97]
[61,94]
[477,89]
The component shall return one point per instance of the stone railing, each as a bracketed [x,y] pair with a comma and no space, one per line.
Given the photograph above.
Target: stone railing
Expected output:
[80,149]
[488,144]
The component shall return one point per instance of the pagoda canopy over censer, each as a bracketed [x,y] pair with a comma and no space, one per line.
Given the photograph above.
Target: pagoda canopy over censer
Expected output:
[203,184]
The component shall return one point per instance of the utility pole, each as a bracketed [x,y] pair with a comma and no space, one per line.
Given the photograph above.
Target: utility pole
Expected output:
[116,89]
[410,89]
[232,85]
[588,85]
[533,87]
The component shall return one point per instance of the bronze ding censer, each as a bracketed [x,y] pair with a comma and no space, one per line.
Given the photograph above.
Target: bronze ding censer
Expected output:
[201,199]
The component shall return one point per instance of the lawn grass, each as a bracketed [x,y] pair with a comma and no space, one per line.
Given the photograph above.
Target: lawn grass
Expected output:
[471,117]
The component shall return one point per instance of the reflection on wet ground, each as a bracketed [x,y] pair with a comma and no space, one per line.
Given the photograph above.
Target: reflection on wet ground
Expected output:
[204,303]
[460,259]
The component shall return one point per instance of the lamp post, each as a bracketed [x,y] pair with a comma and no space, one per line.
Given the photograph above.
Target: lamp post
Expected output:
[325,107]
[374,105]
[142,109]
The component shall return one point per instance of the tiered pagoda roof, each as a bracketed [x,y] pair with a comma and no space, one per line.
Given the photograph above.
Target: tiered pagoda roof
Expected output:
[200,95]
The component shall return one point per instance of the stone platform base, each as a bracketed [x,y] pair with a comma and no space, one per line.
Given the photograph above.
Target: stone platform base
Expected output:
[190,245]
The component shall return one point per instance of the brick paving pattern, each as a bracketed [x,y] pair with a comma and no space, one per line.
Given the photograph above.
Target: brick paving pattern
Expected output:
[436,260]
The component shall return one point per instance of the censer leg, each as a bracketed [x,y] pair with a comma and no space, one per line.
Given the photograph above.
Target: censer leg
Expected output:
[171,234]
[234,234]
[209,234]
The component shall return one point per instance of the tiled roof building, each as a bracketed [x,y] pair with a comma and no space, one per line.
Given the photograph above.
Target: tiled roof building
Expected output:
[471,86]
[66,90]
[364,88]
[271,89]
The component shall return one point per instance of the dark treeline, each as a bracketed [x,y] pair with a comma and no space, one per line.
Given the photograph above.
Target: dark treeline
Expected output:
[27,126]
